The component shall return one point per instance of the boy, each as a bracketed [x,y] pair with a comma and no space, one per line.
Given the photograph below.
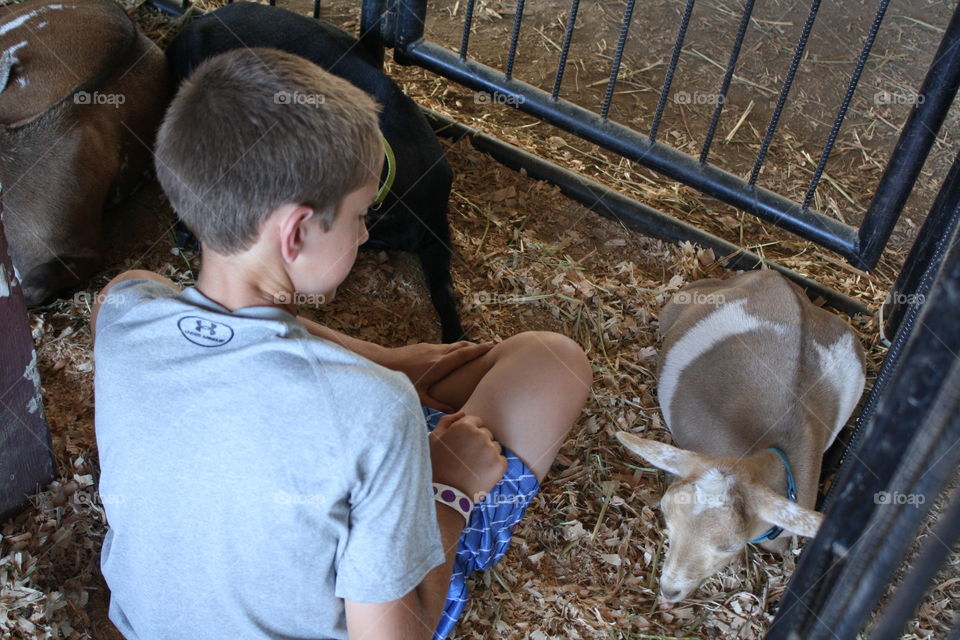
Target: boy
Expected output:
[265,476]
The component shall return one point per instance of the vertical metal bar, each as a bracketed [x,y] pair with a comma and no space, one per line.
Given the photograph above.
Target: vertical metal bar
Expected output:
[316,9]
[514,36]
[668,78]
[782,98]
[565,48]
[845,104]
[371,35]
[402,24]
[411,16]
[617,57]
[727,77]
[467,23]
[926,254]
[916,138]
[914,587]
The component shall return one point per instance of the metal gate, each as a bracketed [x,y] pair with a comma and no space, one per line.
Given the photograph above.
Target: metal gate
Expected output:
[400,24]
[907,439]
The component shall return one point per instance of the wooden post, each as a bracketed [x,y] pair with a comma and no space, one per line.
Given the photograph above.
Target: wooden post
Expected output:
[26,453]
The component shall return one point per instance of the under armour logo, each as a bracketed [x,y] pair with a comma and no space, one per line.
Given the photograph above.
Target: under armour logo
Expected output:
[210,328]
[205,332]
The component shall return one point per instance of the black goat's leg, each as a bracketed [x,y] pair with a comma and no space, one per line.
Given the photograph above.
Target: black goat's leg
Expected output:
[435,262]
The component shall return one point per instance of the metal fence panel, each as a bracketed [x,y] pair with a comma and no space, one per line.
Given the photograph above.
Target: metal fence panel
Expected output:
[404,27]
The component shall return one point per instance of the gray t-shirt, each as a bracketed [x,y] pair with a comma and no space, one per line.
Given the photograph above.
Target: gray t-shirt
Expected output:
[253,475]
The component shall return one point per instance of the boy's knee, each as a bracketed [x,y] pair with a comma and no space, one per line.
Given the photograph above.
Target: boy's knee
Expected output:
[567,353]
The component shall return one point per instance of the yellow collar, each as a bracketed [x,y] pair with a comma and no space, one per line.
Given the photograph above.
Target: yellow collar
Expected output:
[391,172]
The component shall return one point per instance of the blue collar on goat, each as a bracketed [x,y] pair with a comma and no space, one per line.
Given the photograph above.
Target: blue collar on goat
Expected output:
[773,532]
[391,173]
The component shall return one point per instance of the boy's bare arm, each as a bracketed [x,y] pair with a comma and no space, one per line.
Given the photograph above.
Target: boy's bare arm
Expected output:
[463,454]
[133,274]
[416,615]
[425,364]
[368,350]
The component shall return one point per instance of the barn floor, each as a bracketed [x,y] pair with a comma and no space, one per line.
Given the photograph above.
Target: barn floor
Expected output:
[584,562]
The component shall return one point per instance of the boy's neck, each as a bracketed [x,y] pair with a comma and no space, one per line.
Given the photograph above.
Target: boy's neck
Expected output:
[239,281]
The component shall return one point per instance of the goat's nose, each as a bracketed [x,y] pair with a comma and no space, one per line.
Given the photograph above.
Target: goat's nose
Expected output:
[670,595]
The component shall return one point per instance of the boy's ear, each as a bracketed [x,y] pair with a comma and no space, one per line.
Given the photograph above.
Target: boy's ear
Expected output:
[778,511]
[292,219]
[679,462]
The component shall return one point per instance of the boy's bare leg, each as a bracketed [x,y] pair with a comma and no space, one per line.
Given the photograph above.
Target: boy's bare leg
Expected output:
[529,390]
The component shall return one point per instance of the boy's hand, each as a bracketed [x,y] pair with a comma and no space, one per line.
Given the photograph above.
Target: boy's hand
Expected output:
[465,455]
[426,364]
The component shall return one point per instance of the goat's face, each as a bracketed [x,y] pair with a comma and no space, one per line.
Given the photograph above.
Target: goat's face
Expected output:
[706,528]
[712,511]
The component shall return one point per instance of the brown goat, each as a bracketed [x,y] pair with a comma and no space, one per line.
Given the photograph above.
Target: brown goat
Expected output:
[82,93]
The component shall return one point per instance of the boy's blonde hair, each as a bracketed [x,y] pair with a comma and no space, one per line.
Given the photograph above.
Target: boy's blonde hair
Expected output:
[253,129]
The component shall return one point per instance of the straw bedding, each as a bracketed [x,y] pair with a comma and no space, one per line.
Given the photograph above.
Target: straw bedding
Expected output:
[585,561]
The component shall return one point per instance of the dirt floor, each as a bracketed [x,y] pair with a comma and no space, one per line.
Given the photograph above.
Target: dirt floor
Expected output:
[585,561]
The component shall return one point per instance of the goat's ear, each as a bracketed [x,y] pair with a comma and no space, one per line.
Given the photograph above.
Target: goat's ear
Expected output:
[679,462]
[777,510]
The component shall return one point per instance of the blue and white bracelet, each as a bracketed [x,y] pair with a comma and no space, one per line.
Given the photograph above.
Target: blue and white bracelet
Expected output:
[453,498]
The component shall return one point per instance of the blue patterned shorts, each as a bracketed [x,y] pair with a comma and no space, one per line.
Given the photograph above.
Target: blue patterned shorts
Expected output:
[487,536]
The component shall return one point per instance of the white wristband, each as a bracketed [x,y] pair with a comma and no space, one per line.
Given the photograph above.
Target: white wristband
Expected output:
[453,498]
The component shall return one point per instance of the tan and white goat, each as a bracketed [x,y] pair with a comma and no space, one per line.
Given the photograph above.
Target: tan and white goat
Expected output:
[755,382]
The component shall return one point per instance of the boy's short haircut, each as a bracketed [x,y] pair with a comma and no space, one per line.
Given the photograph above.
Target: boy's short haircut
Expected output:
[253,129]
